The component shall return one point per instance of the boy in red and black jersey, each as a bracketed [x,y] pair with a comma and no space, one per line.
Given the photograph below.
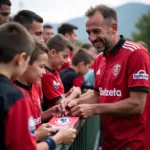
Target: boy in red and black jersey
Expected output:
[19,133]
[73,76]
[29,82]
[53,89]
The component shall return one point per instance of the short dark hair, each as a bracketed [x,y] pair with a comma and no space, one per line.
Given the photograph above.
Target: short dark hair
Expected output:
[26,18]
[5,2]
[66,28]
[47,26]
[107,12]
[59,43]
[81,55]
[40,48]
[14,39]
[87,46]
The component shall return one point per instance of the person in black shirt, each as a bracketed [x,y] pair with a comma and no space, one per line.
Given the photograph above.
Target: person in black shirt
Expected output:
[73,76]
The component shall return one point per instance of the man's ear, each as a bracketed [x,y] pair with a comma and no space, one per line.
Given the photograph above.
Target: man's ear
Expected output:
[20,58]
[114,27]
[52,52]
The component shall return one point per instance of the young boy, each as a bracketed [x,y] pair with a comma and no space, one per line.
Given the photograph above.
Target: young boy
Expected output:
[53,90]
[30,83]
[16,126]
[73,76]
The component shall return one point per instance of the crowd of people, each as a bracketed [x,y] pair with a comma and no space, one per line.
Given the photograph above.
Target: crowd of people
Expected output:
[43,74]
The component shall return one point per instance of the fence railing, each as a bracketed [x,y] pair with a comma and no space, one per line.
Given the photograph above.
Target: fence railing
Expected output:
[88,135]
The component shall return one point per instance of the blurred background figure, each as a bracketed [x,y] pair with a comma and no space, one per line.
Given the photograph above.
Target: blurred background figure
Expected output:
[91,49]
[5,9]
[48,32]
[89,76]
[69,31]
[32,22]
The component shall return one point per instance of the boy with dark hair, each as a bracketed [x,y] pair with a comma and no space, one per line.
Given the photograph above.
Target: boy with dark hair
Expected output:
[52,86]
[90,49]
[15,48]
[31,21]
[4,11]
[48,32]
[73,76]
[29,82]
[89,77]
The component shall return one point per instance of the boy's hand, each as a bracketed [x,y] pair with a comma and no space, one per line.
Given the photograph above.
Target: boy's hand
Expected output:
[44,131]
[63,104]
[77,90]
[74,89]
[56,110]
[65,135]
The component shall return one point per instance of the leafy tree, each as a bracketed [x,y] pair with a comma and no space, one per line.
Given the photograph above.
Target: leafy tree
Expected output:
[78,43]
[143,29]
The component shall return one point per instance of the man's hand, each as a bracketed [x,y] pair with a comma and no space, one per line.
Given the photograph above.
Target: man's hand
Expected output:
[83,110]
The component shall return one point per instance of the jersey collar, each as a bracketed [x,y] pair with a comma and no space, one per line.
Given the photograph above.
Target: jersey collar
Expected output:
[117,47]
[50,70]
[26,87]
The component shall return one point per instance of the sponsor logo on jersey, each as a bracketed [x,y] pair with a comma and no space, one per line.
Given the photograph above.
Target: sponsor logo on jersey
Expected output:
[55,84]
[113,92]
[31,126]
[141,74]
[37,120]
[116,69]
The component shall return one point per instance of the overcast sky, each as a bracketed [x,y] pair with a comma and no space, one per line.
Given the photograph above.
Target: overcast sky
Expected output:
[57,11]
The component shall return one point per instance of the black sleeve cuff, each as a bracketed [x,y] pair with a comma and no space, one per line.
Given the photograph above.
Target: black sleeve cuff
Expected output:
[139,89]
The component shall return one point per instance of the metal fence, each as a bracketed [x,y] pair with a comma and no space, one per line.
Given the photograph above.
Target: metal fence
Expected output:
[88,135]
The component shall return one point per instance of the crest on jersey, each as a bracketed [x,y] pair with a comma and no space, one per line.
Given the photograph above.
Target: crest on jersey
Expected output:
[116,69]
[31,126]
[55,84]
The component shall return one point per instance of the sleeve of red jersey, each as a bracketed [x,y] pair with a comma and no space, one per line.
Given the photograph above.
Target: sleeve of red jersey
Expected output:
[49,91]
[77,82]
[20,127]
[95,81]
[138,71]
[40,93]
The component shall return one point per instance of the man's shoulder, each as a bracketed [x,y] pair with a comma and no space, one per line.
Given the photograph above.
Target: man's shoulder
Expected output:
[131,46]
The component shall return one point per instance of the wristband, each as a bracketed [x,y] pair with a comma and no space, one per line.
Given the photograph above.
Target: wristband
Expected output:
[51,143]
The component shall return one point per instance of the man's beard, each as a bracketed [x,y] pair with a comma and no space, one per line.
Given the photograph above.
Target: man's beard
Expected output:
[105,47]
